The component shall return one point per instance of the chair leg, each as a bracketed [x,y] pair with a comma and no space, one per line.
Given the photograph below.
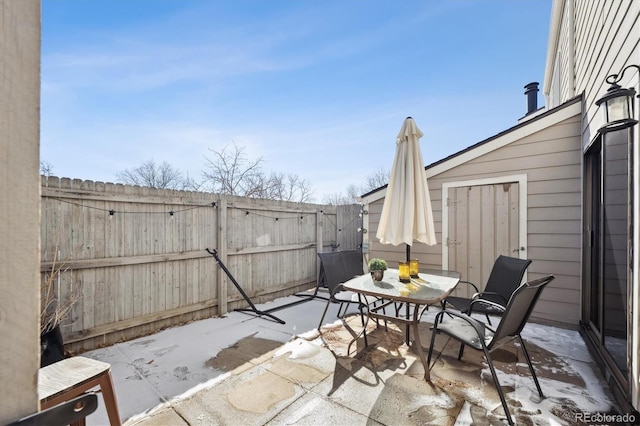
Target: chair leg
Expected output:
[375,304]
[461,351]
[533,373]
[444,304]
[340,313]
[384,312]
[109,396]
[324,313]
[498,387]
[488,319]
[81,422]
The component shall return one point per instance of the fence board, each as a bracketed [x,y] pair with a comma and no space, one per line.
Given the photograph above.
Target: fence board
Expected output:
[140,269]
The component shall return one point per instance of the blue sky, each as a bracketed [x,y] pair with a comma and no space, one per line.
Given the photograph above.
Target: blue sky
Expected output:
[317,88]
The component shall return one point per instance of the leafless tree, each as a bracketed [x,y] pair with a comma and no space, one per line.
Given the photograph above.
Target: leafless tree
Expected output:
[337,199]
[374,181]
[154,175]
[46,168]
[231,172]
[290,188]
[263,186]
[299,189]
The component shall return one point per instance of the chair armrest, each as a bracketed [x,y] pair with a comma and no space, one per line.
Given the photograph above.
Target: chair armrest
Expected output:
[471,284]
[483,295]
[497,306]
[478,326]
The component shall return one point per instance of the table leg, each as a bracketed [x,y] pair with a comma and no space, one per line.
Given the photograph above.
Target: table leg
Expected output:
[407,332]
[418,345]
[364,323]
[417,314]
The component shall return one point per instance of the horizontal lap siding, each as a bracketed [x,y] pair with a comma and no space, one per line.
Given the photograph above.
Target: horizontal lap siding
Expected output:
[606,41]
[429,256]
[551,160]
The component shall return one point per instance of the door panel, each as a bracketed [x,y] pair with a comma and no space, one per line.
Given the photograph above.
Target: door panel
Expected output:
[607,291]
[483,224]
[615,248]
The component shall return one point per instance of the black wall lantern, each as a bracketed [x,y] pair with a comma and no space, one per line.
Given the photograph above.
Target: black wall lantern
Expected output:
[618,104]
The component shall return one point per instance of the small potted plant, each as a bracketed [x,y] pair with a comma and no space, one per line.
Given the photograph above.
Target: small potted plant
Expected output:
[376,268]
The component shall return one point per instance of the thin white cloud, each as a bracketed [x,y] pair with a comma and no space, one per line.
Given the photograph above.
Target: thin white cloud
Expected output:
[316,89]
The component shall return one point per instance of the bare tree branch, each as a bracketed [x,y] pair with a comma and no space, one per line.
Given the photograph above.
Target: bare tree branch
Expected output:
[231,172]
[46,168]
[374,181]
[152,175]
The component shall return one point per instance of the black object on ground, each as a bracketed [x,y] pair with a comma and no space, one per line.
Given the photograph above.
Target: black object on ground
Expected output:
[252,308]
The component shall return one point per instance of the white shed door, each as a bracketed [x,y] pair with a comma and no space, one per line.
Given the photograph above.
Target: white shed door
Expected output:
[483,224]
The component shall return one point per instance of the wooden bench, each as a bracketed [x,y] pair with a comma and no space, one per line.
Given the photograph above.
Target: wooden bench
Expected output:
[71,377]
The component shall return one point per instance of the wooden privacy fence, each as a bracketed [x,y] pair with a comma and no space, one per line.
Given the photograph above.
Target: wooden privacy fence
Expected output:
[136,257]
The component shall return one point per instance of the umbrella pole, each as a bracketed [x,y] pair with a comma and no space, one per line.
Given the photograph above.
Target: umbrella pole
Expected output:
[407,330]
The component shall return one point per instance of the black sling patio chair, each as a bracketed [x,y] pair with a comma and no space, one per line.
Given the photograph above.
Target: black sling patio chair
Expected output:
[72,412]
[506,275]
[336,267]
[476,334]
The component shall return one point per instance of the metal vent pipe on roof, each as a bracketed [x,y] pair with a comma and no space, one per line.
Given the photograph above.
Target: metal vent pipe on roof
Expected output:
[531,90]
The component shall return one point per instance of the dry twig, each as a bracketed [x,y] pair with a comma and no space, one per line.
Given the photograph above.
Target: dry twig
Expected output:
[53,311]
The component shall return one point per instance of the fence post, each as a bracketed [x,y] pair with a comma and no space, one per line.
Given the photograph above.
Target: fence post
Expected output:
[221,238]
[319,232]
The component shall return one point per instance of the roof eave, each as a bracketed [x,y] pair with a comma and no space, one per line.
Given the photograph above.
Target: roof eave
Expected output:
[568,109]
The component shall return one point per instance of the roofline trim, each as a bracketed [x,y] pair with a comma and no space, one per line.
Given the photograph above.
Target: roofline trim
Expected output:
[562,112]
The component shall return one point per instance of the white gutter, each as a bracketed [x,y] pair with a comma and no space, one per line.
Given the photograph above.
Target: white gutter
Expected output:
[557,10]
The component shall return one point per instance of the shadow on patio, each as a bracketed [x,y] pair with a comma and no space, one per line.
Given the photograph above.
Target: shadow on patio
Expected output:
[242,369]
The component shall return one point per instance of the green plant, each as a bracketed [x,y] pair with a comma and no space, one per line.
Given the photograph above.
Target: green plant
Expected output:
[377,264]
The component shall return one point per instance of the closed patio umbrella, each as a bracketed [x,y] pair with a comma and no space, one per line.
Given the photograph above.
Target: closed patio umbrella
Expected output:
[406,213]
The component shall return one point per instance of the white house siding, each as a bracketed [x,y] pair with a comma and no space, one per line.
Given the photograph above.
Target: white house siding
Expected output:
[559,83]
[429,256]
[565,56]
[550,158]
[614,45]
[606,37]
[20,195]
[551,161]
[611,40]
[594,38]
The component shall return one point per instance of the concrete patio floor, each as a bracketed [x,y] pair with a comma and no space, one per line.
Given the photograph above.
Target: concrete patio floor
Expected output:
[246,370]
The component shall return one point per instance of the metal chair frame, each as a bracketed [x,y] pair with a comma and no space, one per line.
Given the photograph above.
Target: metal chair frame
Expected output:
[472,332]
[506,275]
